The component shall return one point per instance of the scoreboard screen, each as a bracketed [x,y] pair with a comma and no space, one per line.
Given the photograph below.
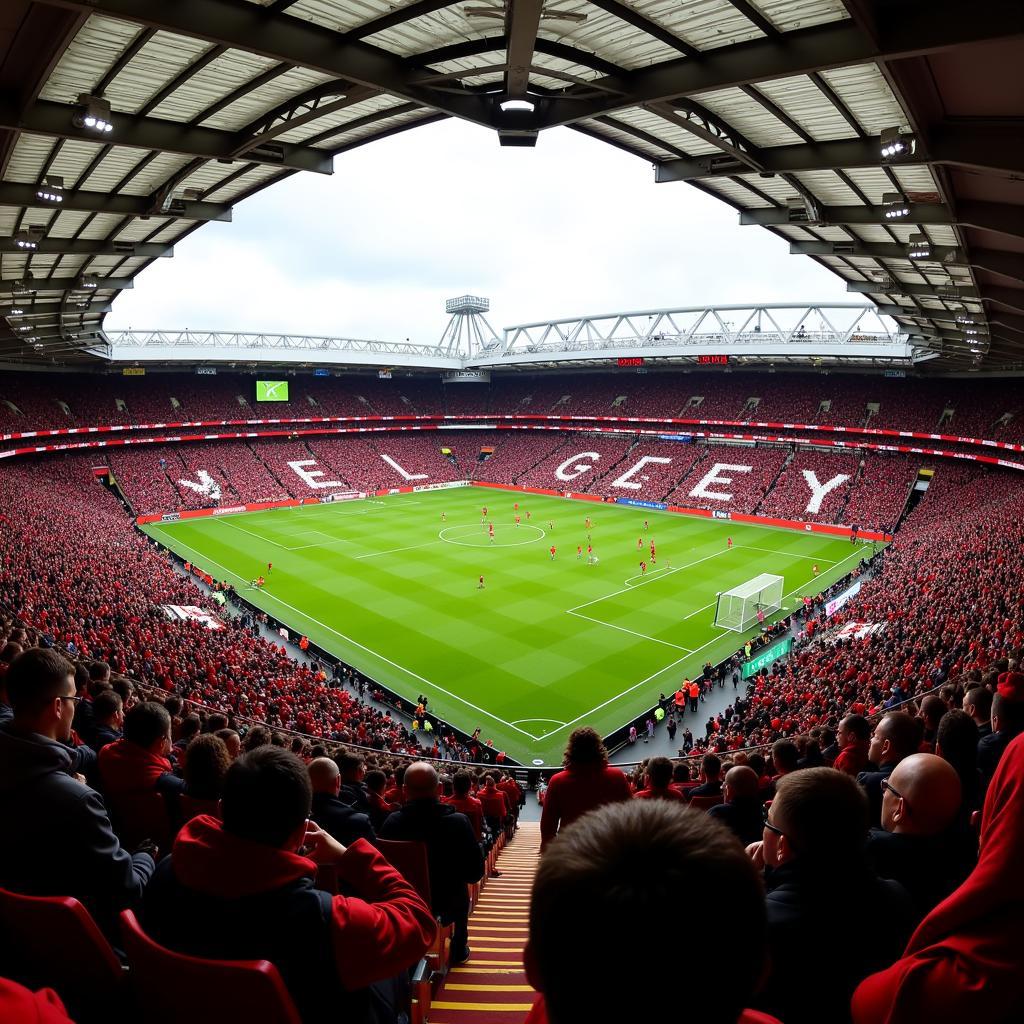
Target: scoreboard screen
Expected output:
[631,360]
[712,360]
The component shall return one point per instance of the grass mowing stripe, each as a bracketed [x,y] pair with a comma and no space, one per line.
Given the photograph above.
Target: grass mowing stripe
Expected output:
[507,656]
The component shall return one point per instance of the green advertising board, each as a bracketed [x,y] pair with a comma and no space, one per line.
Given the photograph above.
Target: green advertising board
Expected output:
[271,391]
[767,656]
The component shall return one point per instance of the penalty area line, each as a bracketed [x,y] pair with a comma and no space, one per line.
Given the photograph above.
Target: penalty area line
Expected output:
[623,629]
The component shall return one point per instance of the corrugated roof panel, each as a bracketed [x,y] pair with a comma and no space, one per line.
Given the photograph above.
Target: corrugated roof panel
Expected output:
[342,17]
[749,118]
[164,57]
[940,234]
[368,131]
[872,233]
[155,173]
[439,28]
[611,37]
[789,15]
[219,78]
[738,194]
[171,231]
[804,102]
[665,131]
[118,162]
[775,187]
[251,106]
[620,135]
[208,175]
[915,178]
[27,160]
[306,131]
[794,233]
[829,187]
[834,233]
[557,64]
[67,223]
[258,173]
[93,51]
[872,181]
[74,157]
[101,225]
[137,229]
[705,24]
[864,90]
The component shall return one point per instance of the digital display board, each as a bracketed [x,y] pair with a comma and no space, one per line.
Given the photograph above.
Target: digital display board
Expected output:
[271,391]
[631,361]
[713,360]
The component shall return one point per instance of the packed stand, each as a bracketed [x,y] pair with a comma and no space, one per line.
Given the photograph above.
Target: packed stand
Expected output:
[813,488]
[880,491]
[745,489]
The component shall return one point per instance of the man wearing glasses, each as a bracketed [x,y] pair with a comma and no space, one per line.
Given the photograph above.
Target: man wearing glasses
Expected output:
[56,839]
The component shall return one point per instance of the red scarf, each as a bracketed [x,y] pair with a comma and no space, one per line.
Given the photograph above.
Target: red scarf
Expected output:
[966,959]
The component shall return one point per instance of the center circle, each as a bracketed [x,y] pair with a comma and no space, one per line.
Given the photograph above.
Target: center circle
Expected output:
[477,536]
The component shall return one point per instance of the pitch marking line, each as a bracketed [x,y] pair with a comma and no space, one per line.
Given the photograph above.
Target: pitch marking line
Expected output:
[643,576]
[623,629]
[392,551]
[355,643]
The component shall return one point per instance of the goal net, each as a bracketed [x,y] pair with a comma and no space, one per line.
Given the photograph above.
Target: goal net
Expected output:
[737,608]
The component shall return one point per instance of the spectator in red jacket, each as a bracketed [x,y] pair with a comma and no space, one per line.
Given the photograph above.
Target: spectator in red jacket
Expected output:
[964,960]
[243,889]
[494,803]
[852,737]
[658,782]
[376,782]
[465,803]
[20,1005]
[137,763]
[587,782]
[623,863]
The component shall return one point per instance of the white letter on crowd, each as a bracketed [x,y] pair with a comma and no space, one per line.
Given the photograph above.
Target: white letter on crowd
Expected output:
[624,480]
[579,469]
[310,476]
[712,477]
[408,476]
[818,491]
[207,485]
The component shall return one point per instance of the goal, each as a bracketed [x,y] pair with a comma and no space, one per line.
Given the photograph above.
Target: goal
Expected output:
[737,608]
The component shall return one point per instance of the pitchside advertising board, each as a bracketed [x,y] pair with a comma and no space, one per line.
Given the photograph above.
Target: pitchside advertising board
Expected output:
[837,602]
[777,650]
[271,391]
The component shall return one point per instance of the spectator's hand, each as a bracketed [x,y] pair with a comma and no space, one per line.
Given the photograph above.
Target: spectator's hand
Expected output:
[148,846]
[755,851]
[320,846]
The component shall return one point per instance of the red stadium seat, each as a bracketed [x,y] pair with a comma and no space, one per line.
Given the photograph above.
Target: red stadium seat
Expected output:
[174,987]
[53,942]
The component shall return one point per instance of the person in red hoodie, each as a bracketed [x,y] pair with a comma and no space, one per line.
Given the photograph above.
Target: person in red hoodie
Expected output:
[622,864]
[658,782]
[587,782]
[853,737]
[964,960]
[20,1005]
[465,803]
[494,803]
[136,766]
[243,888]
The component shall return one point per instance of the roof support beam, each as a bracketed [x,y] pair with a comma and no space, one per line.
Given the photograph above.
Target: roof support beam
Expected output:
[56,307]
[90,247]
[63,285]
[998,217]
[291,40]
[1011,298]
[13,194]
[996,148]
[904,288]
[521,25]
[912,29]
[54,120]
[1003,263]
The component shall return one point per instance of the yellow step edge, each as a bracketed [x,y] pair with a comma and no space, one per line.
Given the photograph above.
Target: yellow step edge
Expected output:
[455,987]
[493,949]
[487,1007]
[487,964]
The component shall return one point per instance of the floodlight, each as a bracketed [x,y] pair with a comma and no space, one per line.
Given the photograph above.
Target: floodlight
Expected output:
[895,206]
[86,283]
[919,248]
[517,104]
[896,145]
[51,190]
[28,239]
[93,112]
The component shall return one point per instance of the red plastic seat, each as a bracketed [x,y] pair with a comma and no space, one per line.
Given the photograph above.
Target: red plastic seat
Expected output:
[54,943]
[174,987]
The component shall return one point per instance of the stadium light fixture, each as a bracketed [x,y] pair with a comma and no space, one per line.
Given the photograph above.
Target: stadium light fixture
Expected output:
[28,239]
[896,145]
[52,189]
[23,286]
[895,206]
[919,248]
[86,283]
[527,106]
[15,311]
[93,112]
[964,318]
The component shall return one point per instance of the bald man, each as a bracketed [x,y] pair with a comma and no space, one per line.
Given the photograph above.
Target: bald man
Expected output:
[920,844]
[743,811]
[329,811]
[453,854]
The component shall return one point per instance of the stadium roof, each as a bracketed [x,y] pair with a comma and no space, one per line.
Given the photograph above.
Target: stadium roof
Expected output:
[126,124]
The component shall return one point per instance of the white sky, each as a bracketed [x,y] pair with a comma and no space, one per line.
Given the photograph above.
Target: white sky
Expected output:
[571,227]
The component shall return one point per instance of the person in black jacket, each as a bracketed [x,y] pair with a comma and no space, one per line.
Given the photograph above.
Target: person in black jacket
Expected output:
[331,813]
[56,838]
[453,854]
[831,920]
[895,737]
[920,844]
[352,790]
[743,811]
[107,719]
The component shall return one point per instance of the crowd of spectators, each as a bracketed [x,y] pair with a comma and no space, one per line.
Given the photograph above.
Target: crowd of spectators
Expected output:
[794,493]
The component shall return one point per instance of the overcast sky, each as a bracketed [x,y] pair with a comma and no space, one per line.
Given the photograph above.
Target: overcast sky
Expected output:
[573,226]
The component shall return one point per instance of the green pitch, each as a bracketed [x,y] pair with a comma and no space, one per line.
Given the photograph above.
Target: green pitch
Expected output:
[548,644]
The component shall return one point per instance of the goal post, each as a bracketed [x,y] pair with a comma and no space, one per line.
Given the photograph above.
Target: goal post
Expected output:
[737,609]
